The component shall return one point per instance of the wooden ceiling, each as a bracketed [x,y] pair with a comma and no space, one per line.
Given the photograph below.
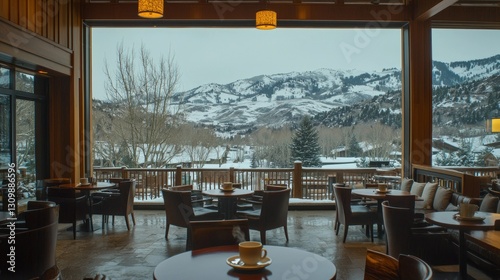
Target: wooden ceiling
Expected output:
[442,13]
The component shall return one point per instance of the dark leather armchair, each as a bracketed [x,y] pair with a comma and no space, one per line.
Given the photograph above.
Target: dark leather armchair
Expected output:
[35,254]
[119,203]
[273,213]
[403,238]
[349,214]
[405,267]
[41,194]
[413,268]
[380,266]
[203,234]
[179,210]
[73,206]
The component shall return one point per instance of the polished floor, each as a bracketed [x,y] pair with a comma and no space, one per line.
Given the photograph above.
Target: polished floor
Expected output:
[120,254]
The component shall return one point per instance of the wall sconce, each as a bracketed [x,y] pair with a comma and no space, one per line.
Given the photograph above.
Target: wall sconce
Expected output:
[493,125]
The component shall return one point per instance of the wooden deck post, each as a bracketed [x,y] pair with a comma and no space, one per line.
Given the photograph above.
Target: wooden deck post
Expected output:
[178,175]
[297,179]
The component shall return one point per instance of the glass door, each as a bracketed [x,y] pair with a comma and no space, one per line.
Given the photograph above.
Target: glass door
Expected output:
[25,149]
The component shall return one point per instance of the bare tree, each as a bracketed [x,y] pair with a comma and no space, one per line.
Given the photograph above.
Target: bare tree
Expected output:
[147,118]
[329,139]
[199,143]
[272,146]
[379,140]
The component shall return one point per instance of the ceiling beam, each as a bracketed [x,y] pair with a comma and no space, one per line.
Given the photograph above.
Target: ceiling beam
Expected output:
[425,9]
[463,17]
[237,10]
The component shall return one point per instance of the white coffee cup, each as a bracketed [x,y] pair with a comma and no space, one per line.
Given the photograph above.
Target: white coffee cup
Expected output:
[251,252]
[84,181]
[468,210]
[227,186]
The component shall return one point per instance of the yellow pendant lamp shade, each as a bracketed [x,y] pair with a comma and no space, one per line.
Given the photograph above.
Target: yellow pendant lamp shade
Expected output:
[266,19]
[150,8]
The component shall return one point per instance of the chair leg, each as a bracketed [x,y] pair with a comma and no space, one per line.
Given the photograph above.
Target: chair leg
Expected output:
[263,237]
[346,229]
[166,231]
[371,230]
[103,220]
[286,232]
[74,229]
[337,231]
[133,218]
[336,225]
[127,222]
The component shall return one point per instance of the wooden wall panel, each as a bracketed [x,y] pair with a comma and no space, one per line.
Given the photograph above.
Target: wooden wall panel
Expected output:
[4,9]
[50,19]
[38,17]
[31,15]
[64,25]
[23,13]
[13,11]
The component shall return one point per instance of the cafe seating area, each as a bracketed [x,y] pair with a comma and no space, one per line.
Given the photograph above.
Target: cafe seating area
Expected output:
[120,254]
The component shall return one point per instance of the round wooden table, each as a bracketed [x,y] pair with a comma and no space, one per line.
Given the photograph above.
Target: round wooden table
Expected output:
[89,187]
[447,219]
[210,263]
[227,199]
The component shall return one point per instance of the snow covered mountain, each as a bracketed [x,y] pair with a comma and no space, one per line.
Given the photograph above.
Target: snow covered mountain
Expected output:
[463,91]
[282,99]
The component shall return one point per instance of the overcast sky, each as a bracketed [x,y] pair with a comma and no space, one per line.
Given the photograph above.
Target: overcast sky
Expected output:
[224,55]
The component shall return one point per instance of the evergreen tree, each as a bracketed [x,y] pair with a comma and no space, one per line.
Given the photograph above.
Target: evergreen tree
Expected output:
[465,154]
[354,149]
[305,146]
[254,161]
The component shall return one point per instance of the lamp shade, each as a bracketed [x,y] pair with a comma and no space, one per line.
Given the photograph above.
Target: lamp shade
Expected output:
[150,8]
[493,125]
[266,19]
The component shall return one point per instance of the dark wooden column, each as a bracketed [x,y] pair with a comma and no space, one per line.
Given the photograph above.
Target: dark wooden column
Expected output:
[420,97]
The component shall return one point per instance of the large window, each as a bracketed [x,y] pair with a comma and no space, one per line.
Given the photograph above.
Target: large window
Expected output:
[223,96]
[20,118]
[466,94]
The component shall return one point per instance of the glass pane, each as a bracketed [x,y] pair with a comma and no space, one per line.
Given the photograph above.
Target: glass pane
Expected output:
[25,82]
[5,144]
[466,94]
[4,77]
[25,148]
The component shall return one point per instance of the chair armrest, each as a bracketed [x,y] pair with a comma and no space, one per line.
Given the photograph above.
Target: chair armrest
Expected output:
[201,200]
[251,200]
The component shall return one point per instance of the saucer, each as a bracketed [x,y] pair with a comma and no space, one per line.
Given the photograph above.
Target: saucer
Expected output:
[236,263]
[473,218]
[228,190]
[84,185]
[379,191]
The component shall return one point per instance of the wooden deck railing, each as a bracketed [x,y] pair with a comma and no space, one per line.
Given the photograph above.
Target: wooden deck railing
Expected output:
[465,180]
[310,183]
[307,183]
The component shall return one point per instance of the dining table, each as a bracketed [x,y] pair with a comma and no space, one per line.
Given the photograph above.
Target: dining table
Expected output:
[379,196]
[227,199]
[488,239]
[217,263]
[452,220]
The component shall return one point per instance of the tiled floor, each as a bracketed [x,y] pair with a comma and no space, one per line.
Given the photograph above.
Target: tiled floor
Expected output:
[120,254]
